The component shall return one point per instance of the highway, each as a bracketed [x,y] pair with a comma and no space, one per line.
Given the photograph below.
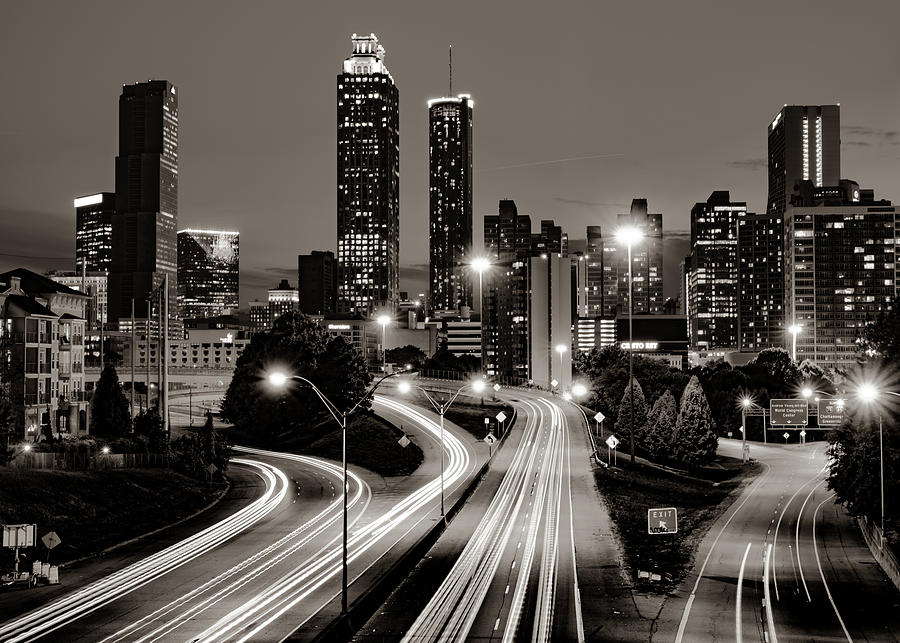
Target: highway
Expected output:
[272,568]
[784,563]
[516,578]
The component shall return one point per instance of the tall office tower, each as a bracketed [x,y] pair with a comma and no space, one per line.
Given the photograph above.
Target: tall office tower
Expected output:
[551,238]
[840,268]
[450,201]
[711,274]
[549,320]
[804,145]
[93,232]
[208,276]
[646,256]
[593,257]
[144,243]
[761,282]
[368,181]
[507,242]
[316,274]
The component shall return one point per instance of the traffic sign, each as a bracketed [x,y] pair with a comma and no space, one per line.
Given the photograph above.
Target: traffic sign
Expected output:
[612,442]
[802,434]
[789,412]
[662,521]
[18,535]
[490,439]
[212,468]
[50,540]
[554,383]
[501,416]
[785,435]
[599,417]
[496,387]
[403,442]
[831,412]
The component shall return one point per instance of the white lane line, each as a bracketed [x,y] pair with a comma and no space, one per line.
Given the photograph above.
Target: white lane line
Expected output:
[770,619]
[690,602]
[777,526]
[797,540]
[737,604]
[822,574]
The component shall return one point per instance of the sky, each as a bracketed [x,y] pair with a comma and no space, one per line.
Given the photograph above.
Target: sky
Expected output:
[579,108]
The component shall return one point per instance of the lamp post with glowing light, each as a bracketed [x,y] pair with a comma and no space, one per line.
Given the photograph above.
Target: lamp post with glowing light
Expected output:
[441,408]
[869,393]
[480,265]
[383,320]
[794,330]
[279,380]
[746,403]
[629,236]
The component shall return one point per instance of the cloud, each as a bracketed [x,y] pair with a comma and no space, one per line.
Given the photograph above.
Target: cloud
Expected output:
[590,204]
[749,164]
[549,162]
[857,143]
[878,135]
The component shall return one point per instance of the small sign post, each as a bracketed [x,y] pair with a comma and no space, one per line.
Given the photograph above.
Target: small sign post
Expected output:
[662,521]
[785,435]
[490,439]
[611,443]
[403,441]
[16,536]
[501,418]
[599,418]
[803,437]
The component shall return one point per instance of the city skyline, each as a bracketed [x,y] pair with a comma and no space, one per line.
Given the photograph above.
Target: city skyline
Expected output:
[584,163]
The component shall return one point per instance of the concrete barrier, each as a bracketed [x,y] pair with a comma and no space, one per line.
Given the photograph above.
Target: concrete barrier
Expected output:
[885,557]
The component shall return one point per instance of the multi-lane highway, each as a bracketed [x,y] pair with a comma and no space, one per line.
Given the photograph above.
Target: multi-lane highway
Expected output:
[270,568]
[784,563]
[516,578]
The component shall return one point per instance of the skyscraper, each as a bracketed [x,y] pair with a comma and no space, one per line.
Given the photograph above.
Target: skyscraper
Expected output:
[93,232]
[761,282]
[208,275]
[593,257]
[144,243]
[368,181]
[450,201]
[646,265]
[316,274]
[804,145]
[711,274]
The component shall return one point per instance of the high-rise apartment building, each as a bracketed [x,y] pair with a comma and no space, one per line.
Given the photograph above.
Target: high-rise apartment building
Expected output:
[761,282]
[144,243]
[840,268]
[93,232]
[208,275]
[593,258]
[804,145]
[316,281]
[646,262]
[368,181]
[711,274]
[551,239]
[450,201]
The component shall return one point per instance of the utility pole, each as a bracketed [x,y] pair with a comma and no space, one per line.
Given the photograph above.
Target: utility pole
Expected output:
[164,362]
[132,358]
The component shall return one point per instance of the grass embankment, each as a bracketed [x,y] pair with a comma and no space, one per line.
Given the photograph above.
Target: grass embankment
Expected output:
[469,413]
[372,443]
[699,498]
[93,510]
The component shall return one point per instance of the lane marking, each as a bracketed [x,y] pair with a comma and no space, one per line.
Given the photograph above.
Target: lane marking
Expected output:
[797,539]
[822,574]
[737,605]
[770,619]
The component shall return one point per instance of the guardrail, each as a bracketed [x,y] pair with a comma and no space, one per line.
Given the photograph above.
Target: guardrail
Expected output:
[881,552]
[86,461]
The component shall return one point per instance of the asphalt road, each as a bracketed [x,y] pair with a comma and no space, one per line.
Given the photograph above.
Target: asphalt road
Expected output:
[783,564]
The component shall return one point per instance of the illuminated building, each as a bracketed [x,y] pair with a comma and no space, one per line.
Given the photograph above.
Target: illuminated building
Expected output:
[93,232]
[144,243]
[93,284]
[593,259]
[450,202]
[282,299]
[646,265]
[840,268]
[659,337]
[208,277]
[316,281]
[549,320]
[368,177]
[760,282]
[711,274]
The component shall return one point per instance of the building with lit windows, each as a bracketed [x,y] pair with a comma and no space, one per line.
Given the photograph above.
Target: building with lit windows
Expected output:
[144,240]
[647,266]
[208,276]
[450,202]
[711,291]
[93,284]
[368,178]
[93,232]
[593,259]
[316,282]
[840,268]
[761,282]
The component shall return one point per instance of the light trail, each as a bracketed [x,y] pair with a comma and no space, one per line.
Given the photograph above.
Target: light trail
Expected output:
[51,617]
[822,574]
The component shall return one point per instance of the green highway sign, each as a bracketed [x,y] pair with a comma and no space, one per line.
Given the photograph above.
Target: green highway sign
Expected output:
[831,412]
[789,412]
[662,521]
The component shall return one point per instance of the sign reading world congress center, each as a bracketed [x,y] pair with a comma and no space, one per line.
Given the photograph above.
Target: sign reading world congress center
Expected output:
[789,412]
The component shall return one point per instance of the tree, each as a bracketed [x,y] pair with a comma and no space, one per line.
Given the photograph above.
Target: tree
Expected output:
[408,354]
[661,426]
[214,446]
[723,386]
[110,417]
[296,345]
[694,441]
[624,423]
[149,425]
[882,337]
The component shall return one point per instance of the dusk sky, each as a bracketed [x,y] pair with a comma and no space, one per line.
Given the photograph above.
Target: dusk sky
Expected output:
[579,107]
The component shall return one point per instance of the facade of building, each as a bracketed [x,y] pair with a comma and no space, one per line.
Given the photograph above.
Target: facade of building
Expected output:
[368,177]
[282,299]
[44,327]
[761,282]
[463,336]
[593,258]
[144,243]
[364,334]
[549,319]
[840,268]
[646,265]
[661,337]
[93,284]
[450,202]
[93,232]
[711,274]
[316,282]
[208,275]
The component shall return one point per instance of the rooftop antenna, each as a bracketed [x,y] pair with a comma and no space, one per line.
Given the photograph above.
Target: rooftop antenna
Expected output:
[451,71]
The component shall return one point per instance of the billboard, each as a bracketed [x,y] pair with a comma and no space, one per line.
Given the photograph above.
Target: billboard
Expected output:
[789,412]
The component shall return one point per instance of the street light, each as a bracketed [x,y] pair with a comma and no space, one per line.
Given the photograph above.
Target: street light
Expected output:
[794,330]
[579,389]
[480,265]
[868,393]
[630,235]
[561,349]
[384,320]
[806,392]
[278,379]
[746,403]
[441,408]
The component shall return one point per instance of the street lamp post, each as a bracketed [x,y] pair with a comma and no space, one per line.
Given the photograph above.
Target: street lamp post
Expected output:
[630,236]
[746,403]
[441,408]
[794,330]
[279,379]
[868,393]
[384,320]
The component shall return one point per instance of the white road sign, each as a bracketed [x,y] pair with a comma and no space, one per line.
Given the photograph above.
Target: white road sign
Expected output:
[612,442]
[802,434]
[403,442]
[501,416]
[490,439]
[554,383]
[599,417]
[785,435]
[50,540]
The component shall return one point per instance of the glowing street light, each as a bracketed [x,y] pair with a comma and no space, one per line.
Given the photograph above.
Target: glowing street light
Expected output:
[630,235]
[278,379]
[806,392]
[794,330]
[868,393]
[579,390]
[746,403]
[440,408]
